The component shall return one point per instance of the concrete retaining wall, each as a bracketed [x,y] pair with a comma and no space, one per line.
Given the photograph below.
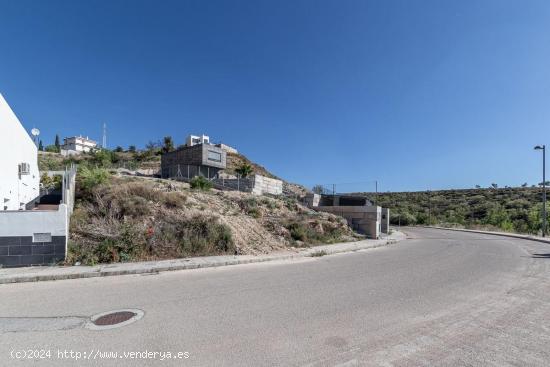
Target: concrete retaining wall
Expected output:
[364,219]
[266,185]
[33,237]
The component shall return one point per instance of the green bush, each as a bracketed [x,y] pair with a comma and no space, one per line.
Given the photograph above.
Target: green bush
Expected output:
[88,178]
[198,235]
[200,183]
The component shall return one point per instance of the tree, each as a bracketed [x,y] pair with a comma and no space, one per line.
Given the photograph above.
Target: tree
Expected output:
[244,170]
[40,146]
[132,148]
[51,149]
[494,186]
[168,144]
[119,149]
[57,145]
[524,184]
[478,187]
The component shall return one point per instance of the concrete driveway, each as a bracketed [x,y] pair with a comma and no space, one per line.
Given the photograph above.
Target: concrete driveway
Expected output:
[440,298]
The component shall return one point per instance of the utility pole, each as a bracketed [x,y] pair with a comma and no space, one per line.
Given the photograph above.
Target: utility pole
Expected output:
[376,193]
[543,148]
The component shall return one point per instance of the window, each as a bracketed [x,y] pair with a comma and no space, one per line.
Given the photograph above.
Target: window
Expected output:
[214,156]
[24,168]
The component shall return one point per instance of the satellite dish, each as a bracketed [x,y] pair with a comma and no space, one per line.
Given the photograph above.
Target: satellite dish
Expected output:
[35,131]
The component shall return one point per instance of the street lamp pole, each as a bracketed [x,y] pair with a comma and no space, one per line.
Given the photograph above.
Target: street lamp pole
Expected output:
[543,148]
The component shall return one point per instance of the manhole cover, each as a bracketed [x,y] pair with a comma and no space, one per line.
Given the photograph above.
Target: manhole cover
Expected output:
[114,318]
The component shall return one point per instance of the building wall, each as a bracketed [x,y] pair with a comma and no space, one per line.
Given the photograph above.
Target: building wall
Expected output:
[33,237]
[227,148]
[78,144]
[16,147]
[363,219]
[192,160]
[255,184]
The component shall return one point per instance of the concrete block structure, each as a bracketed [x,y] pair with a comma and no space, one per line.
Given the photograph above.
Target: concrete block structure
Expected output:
[190,161]
[256,184]
[19,176]
[266,185]
[359,212]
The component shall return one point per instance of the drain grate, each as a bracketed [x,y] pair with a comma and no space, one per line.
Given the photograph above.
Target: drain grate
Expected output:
[114,318]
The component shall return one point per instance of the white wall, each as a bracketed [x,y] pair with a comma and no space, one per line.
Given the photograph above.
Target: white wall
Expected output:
[27,222]
[16,146]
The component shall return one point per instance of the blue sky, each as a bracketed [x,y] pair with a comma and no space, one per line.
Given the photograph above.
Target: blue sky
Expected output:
[416,94]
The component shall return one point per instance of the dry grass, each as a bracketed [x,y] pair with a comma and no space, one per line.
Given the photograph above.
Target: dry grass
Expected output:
[134,219]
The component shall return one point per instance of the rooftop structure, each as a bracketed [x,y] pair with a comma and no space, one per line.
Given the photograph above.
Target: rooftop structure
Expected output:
[196,140]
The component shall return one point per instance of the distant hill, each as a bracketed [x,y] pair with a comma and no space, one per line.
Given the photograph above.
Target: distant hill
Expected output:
[515,209]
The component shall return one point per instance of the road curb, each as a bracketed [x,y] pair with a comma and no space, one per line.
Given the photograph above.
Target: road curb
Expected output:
[37,274]
[502,234]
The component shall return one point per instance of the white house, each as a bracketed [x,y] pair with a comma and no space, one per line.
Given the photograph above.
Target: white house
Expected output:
[77,144]
[19,177]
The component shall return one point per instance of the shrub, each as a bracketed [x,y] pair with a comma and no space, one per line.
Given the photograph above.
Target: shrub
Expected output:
[102,158]
[201,183]
[134,206]
[89,178]
[250,207]
[198,235]
[244,170]
[326,232]
[174,200]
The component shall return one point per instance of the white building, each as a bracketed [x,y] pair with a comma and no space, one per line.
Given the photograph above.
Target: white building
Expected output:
[19,177]
[78,144]
[195,140]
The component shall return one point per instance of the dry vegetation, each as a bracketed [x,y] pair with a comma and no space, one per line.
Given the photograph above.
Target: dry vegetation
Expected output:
[133,219]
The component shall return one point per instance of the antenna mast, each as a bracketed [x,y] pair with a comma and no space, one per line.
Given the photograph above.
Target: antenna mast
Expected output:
[104,143]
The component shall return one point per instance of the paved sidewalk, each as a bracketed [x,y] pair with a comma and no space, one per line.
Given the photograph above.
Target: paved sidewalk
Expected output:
[43,273]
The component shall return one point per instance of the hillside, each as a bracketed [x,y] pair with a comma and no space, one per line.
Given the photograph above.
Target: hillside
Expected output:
[148,162]
[121,218]
[512,209]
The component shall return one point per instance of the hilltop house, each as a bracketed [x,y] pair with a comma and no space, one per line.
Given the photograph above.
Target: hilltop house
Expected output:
[19,177]
[77,145]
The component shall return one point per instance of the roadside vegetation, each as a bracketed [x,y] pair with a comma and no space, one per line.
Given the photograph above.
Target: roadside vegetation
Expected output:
[121,218]
[516,209]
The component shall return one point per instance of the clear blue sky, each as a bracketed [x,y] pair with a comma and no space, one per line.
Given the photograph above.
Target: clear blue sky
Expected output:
[417,94]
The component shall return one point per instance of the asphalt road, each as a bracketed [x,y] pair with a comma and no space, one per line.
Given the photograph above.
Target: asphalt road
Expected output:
[439,298]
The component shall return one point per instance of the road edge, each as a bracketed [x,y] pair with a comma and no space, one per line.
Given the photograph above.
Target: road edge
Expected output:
[38,274]
[502,234]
